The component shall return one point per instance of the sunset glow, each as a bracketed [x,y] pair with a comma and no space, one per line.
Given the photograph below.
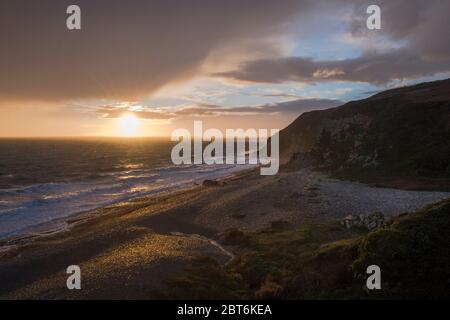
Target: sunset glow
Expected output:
[225,155]
[128,125]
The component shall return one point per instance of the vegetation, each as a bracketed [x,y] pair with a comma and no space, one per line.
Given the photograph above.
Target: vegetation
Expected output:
[329,261]
[399,137]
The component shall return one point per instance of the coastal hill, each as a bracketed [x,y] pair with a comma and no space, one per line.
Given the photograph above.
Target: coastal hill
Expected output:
[399,137]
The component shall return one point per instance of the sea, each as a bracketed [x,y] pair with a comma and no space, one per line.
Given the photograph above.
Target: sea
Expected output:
[44,181]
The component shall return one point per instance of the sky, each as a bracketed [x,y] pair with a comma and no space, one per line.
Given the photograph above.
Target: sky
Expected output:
[146,68]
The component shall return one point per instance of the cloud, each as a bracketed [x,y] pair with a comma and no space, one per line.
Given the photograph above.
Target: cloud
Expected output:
[115,112]
[295,108]
[289,107]
[423,25]
[415,44]
[126,49]
[272,93]
[376,68]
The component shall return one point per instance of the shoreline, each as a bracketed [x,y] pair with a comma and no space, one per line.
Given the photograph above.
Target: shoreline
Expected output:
[131,249]
[144,222]
[64,224]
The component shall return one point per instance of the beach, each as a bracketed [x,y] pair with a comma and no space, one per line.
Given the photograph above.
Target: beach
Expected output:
[131,249]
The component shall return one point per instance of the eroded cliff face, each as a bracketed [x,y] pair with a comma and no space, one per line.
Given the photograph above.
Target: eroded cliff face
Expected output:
[341,144]
[403,131]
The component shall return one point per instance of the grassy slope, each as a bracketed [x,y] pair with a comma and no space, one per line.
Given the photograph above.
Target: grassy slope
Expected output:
[408,136]
[328,261]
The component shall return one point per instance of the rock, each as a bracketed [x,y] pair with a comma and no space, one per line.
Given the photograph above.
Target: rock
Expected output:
[211,183]
[369,221]
[233,237]
[295,195]
[349,221]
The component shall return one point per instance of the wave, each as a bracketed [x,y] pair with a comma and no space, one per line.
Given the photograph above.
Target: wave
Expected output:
[26,207]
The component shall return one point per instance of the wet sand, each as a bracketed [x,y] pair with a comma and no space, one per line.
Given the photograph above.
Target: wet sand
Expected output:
[129,250]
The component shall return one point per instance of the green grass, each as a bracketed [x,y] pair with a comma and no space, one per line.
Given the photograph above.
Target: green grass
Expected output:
[414,253]
[328,261]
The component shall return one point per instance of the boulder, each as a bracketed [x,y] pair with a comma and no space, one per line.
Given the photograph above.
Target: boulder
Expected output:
[369,221]
[211,183]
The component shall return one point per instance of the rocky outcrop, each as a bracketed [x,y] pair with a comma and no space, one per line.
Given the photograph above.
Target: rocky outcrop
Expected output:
[211,183]
[369,221]
[401,132]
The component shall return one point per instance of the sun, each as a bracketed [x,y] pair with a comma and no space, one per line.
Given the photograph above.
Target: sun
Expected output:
[128,125]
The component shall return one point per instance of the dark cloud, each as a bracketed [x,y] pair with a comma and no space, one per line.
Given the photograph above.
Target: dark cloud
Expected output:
[289,107]
[295,108]
[277,95]
[420,28]
[423,25]
[377,68]
[129,49]
[125,49]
